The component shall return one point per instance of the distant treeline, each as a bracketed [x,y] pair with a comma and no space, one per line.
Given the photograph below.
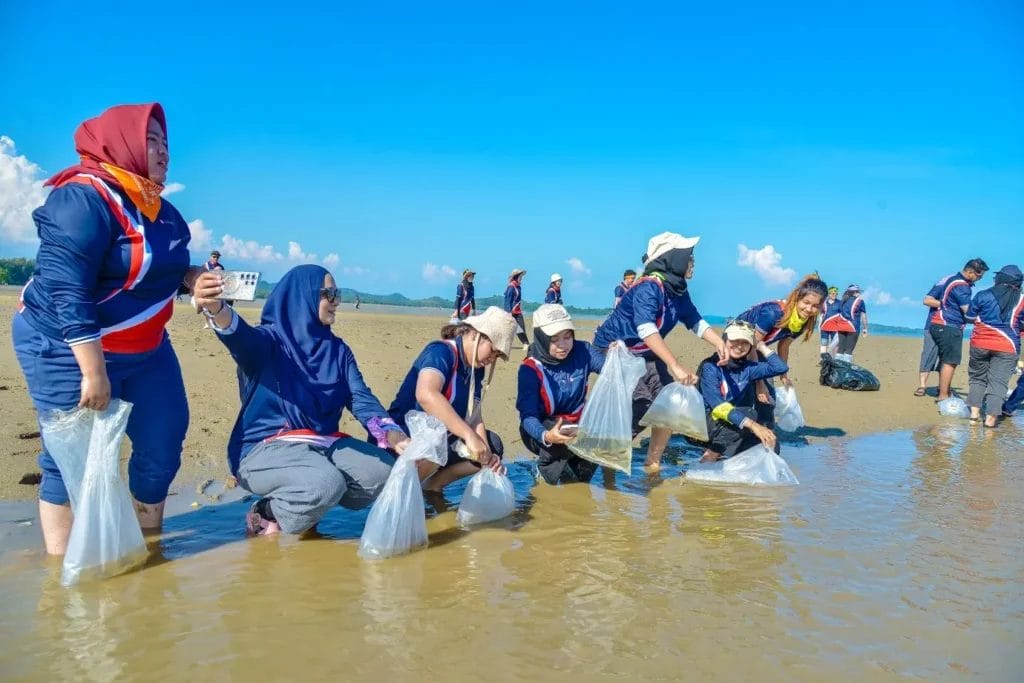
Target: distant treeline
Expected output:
[16,271]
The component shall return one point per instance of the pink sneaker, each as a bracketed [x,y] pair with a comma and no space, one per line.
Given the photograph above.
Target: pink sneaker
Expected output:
[259,522]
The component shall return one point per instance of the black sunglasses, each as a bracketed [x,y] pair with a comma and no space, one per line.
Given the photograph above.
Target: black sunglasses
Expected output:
[330,293]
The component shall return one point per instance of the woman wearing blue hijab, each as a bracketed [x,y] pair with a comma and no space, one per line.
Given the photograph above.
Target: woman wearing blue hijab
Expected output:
[296,377]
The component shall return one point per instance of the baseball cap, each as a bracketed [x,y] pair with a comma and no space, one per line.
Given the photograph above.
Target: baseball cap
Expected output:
[739,330]
[552,319]
[667,241]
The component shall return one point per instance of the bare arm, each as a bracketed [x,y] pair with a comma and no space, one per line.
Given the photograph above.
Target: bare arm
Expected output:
[656,343]
[95,383]
[783,354]
[931,302]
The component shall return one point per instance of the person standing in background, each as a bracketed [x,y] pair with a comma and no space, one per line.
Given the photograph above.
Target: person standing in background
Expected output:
[465,296]
[829,308]
[950,299]
[620,289]
[514,304]
[929,356]
[853,322]
[214,262]
[998,317]
[554,293]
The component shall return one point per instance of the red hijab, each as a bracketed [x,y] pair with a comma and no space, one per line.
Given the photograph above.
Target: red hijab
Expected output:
[117,138]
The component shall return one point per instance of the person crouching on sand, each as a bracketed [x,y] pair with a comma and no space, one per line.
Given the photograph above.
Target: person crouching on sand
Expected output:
[736,420]
[296,378]
[446,381]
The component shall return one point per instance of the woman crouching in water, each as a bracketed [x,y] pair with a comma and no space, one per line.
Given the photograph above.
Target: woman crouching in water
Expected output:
[446,381]
[296,377]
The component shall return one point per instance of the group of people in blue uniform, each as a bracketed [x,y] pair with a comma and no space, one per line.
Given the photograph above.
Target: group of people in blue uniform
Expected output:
[114,254]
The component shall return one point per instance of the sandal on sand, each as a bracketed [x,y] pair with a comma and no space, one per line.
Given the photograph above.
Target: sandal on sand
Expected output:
[919,391]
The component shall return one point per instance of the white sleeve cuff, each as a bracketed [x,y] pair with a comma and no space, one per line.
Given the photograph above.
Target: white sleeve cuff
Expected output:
[702,327]
[232,326]
[646,330]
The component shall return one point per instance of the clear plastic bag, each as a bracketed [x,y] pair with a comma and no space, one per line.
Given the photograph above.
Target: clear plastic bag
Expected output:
[489,496]
[396,524]
[606,426]
[754,466]
[953,406]
[105,536]
[789,417]
[680,408]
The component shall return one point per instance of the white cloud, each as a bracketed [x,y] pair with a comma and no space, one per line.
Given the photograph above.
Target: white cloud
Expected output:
[356,270]
[295,253]
[767,263]
[434,273]
[171,188]
[331,260]
[21,191]
[202,237]
[578,267]
[878,296]
[250,250]
[907,301]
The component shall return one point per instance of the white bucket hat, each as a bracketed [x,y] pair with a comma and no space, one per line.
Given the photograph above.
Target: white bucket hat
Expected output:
[497,325]
[667,241]
[555,277]
[552,319]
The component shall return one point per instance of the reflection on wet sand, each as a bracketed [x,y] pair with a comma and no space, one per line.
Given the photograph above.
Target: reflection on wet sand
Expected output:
[897,557]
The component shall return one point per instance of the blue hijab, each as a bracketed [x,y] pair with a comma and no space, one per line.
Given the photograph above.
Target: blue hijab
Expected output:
[312,355]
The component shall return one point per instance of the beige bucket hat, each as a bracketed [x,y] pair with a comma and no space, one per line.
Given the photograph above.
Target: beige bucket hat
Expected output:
[497,325]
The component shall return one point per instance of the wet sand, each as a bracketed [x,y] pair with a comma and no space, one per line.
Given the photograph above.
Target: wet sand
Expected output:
[385,344]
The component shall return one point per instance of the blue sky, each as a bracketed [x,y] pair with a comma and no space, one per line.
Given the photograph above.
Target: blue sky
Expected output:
[879,143]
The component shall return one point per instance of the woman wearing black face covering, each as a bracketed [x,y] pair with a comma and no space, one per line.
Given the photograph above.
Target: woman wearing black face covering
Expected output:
[998,317]
[552,390]
[652,307]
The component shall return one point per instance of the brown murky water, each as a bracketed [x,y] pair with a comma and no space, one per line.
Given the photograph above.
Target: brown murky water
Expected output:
[899,557]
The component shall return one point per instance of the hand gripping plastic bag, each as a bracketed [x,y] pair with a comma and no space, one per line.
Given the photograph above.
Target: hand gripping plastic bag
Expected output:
[680,408]
[606,427]
[489,496]
[953,406]
[396,524]
[755,466]
[105,536]
[788,415]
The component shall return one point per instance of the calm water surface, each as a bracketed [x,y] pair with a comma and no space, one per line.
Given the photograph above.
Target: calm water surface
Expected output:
[899,557]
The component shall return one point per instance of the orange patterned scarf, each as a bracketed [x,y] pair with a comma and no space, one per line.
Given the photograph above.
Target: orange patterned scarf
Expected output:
[143,192]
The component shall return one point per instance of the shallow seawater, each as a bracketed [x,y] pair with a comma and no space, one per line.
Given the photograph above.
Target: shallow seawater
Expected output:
[898,557]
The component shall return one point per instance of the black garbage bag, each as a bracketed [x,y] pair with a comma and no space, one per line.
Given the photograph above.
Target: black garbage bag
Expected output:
[839,374]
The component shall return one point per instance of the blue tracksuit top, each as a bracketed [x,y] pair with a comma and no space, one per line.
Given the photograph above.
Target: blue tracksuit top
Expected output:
[551,391]
[645,309]
[734,383]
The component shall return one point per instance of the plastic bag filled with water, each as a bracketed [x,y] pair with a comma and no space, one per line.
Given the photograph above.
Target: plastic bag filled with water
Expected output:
[754,466]
[680,408]
[489,496]
[788,415]
[396,524]
[105,536]
[606,427]
[953,406]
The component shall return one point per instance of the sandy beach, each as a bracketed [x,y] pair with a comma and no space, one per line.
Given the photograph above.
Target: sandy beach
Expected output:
[385,344]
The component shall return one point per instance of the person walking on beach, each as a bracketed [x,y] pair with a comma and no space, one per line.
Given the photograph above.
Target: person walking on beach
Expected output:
[91,324]
[998,317]
[514,303]
[950,299]
[829,308]
[552,388]
[296,378]
[553,295]
[447,381]
[620,289]
[852,322]
[465,296]
[652,308]
[213,263]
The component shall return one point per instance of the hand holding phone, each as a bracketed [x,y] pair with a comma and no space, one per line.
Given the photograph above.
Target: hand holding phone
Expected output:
[239,285]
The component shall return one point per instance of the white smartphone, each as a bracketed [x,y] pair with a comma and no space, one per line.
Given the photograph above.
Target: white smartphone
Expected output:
[239,285]
[569,430]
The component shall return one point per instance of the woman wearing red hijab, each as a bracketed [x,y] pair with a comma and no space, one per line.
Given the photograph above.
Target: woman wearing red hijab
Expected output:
[112,255]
